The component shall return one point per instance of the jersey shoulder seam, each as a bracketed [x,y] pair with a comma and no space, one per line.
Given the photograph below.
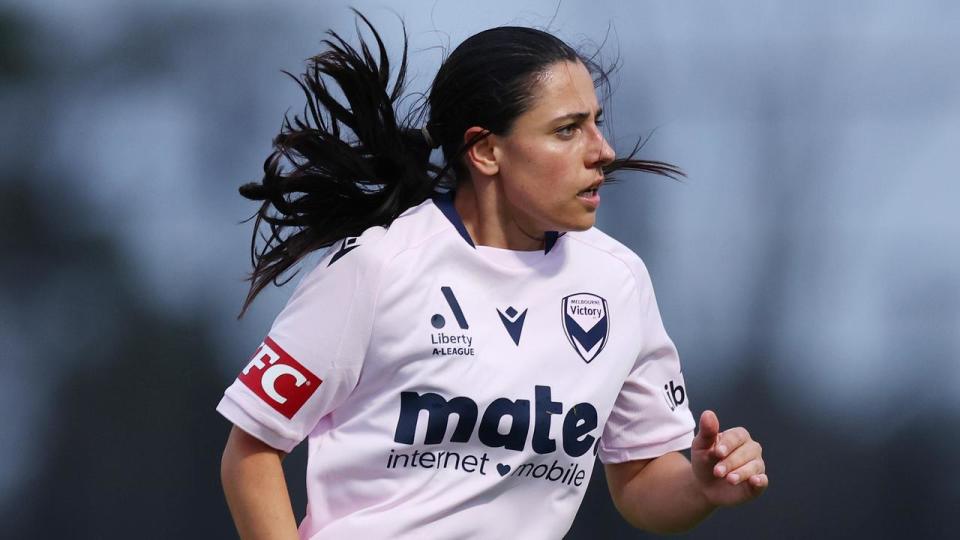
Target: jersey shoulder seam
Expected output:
[619,258]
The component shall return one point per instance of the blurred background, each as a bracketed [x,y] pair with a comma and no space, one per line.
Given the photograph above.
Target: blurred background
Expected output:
[808,269]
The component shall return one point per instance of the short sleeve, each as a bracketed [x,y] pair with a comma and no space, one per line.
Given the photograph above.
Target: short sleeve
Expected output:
[651,415]
[311,359]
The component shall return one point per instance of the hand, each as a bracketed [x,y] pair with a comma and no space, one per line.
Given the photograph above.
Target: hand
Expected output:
[727,465]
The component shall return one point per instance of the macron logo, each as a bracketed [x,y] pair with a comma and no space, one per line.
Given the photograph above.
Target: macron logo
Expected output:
[279,380]
[513,322]
[348,245]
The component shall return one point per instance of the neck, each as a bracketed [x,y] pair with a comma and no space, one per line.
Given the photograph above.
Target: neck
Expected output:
[490,220]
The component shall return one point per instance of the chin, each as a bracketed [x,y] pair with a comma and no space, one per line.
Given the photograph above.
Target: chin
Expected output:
[580,225]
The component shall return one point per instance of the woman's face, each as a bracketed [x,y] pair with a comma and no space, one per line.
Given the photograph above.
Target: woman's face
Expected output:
[550,161]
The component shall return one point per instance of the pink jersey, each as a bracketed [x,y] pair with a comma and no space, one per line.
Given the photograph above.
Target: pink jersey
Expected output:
[456,391]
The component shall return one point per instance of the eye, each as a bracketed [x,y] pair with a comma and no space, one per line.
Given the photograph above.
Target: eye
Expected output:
[567,130]
[599,121]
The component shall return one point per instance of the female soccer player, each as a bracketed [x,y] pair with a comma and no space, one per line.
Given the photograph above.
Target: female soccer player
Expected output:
[470,343]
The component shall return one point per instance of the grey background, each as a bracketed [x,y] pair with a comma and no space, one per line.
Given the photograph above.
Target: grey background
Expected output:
[808,269]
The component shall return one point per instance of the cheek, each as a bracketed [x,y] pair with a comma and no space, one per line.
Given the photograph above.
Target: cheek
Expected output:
[542,170]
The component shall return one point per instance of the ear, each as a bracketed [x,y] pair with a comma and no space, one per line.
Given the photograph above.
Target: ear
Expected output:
[481,156]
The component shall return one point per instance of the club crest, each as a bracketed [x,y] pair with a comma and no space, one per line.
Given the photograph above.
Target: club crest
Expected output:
[586,323]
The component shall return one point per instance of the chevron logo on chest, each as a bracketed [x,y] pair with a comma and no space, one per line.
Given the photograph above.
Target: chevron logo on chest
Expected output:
[513,321]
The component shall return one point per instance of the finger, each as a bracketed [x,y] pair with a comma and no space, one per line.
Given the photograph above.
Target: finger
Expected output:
[707,434]
[751,468]
[758,483]
[730,440]
[738,458]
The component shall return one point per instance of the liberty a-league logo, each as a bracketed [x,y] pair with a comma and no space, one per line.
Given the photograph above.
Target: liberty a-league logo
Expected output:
[586,322]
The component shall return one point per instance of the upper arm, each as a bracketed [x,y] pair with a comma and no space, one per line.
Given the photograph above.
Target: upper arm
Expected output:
[243,446]
[255,488]
[658,495]
[619,475]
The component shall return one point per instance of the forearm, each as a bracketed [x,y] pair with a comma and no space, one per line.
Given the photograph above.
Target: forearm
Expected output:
[256,490]
[660,496]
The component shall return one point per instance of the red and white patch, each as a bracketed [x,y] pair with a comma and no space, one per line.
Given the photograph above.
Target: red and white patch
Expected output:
[278,379]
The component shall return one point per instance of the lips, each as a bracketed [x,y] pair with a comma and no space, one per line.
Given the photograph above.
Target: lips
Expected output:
[591,196]
[592,189]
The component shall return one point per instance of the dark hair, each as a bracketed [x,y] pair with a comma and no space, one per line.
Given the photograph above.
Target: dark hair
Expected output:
[354,165]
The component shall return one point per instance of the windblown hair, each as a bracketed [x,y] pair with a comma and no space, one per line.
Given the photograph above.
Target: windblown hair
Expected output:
[355,165]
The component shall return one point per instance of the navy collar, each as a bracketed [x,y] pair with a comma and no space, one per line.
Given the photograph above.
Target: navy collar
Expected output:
[444,202]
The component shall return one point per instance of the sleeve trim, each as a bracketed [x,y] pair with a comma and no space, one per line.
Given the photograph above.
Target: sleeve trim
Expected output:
[650,451]
[235,413]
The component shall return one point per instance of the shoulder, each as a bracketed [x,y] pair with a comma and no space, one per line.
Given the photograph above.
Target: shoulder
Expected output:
[607,248]
[352,271]
[373,250]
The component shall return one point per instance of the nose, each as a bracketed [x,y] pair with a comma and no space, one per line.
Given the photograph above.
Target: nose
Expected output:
[607,153]
[601,153]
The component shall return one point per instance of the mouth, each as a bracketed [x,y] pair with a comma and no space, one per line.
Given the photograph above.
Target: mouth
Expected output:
[591,195]
[592,188]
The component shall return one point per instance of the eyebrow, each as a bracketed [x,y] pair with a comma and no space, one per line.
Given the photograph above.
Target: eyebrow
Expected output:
[578,116]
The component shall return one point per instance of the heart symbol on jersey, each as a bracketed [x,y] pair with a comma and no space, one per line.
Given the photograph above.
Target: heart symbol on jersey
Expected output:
[503,469]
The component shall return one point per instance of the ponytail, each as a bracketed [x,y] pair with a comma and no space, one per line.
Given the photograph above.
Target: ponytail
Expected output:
[351,165]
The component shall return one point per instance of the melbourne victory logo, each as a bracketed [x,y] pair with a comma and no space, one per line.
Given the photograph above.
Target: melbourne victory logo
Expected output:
[586,322]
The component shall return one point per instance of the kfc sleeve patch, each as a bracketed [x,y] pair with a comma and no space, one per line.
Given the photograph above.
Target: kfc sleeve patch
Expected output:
[279,380]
